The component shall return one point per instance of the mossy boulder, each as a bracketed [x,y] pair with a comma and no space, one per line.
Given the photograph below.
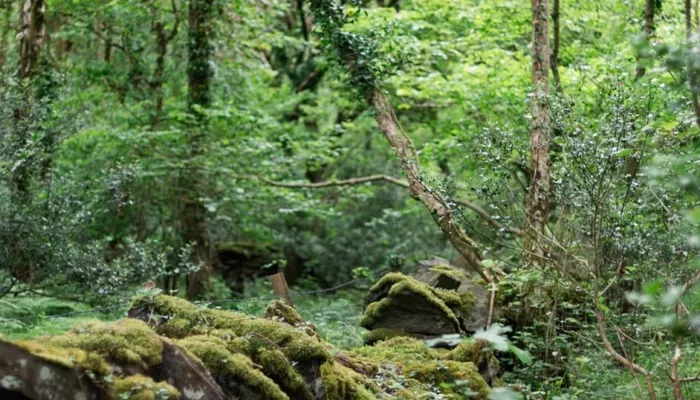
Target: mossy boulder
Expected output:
[400,303]
[436,271]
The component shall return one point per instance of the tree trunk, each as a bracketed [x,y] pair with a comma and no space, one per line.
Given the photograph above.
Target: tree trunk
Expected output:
[331,19]
[537,203]
[692,76]
[649,10]
[555,47]
[6,27]
[436,204]
[31,36]
[193,218]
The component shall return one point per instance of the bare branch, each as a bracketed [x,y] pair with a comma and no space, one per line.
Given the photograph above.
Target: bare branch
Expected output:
[390,179]
[617,356]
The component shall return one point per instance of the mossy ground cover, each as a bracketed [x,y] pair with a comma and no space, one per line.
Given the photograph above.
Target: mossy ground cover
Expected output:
[252,356]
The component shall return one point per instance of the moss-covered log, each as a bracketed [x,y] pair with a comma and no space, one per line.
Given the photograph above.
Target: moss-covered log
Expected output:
[175,350]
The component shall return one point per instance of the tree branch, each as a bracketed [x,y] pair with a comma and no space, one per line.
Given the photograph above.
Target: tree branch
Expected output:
[617,356]
[390,179]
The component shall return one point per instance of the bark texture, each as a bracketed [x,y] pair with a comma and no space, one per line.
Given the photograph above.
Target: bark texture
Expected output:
[537,203]
[439,207]
[31,36]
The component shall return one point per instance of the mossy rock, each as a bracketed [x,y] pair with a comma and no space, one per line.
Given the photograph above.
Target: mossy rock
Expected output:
[235,373]
[258,339]
[127,341]
[416,361]
[437,270]
[452,376]
[178,318]
[400,302]
[220,355]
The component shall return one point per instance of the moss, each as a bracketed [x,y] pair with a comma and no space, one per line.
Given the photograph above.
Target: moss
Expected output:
[444,300]
[178,318]
[397,351]
[278,310]
[423,364]
[278,367]
[448,270]
[342,383]
[470,351]
[71,358]
[407,286]
[376,335]
[127,341]
[450,375]
[228,368]
[139,387]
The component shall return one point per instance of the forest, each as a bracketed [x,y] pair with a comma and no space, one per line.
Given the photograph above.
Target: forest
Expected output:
[349,199]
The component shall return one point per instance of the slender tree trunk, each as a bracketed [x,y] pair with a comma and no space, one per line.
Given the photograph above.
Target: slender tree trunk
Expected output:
[537,203]
[554,60]
[193,217]
[31,36]
[692,45]
[6,27]
[649,11]
[331,19]
[436,204]
[157,83]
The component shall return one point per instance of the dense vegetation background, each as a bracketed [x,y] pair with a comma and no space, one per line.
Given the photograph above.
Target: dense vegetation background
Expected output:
[198,146]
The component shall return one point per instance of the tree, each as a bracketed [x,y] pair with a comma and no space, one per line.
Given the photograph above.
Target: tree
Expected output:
[538,197]
[554,59]
[357,55]
[7,7]
[193,215]
[649,28]
[31,36]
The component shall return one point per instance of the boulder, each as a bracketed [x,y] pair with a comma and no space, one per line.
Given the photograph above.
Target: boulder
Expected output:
[439,273]
[439,299]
